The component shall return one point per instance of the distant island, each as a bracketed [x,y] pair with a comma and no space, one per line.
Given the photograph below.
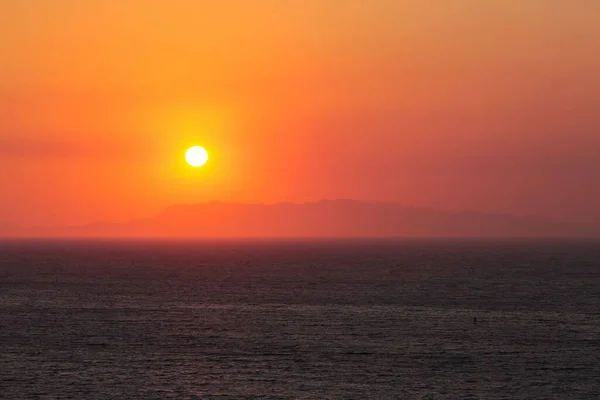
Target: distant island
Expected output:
[328,218]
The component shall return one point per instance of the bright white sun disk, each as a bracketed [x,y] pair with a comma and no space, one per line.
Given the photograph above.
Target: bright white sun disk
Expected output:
[196,156]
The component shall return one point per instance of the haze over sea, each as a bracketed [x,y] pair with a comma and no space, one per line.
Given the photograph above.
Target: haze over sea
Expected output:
[291,319]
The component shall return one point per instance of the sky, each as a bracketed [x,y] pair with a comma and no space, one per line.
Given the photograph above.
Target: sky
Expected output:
[489,106]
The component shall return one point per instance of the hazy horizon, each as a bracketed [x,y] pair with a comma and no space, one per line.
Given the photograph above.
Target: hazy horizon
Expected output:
[277,203]
[340,218]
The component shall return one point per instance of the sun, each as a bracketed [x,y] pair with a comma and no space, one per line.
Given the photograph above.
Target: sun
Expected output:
[196,156]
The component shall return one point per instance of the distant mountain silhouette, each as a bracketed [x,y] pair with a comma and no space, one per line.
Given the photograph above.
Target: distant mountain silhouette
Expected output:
[329,218]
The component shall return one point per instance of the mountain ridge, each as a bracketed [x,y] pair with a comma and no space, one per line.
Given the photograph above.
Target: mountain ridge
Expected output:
[324,218]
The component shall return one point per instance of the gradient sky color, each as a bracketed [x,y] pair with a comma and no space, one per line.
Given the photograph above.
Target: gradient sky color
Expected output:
[465,104]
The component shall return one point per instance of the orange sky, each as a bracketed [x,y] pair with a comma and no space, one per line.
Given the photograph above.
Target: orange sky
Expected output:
[465,104]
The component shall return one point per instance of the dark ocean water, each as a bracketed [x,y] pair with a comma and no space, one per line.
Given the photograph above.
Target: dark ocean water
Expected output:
[299,320]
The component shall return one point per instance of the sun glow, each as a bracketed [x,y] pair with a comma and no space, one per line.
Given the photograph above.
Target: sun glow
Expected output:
[196,156]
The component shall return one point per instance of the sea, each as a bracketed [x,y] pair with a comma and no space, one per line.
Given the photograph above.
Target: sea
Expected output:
[299,319]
